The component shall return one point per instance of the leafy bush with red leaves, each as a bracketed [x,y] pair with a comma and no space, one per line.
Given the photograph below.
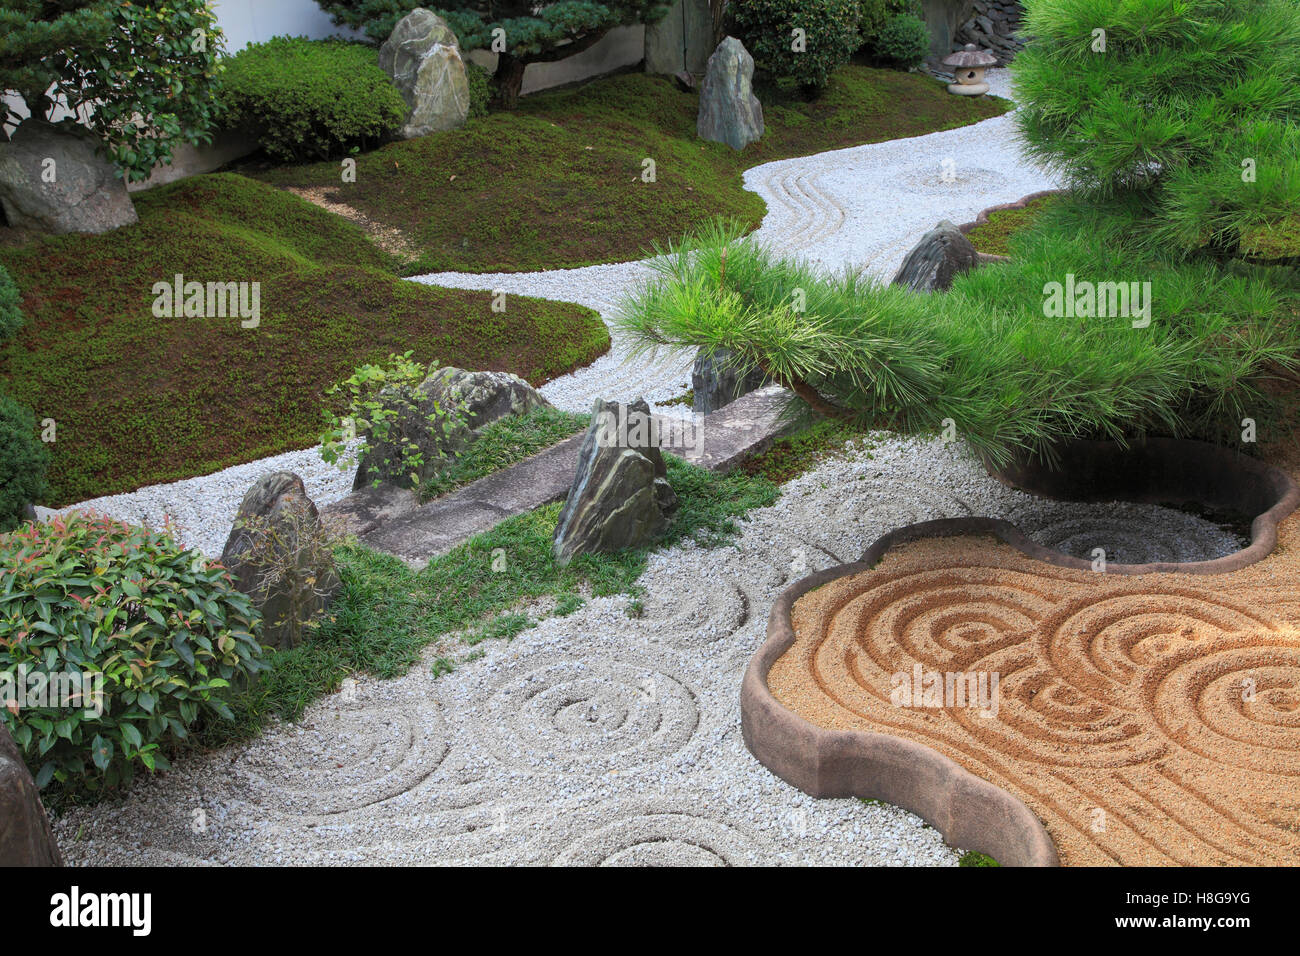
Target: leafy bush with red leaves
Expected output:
[114,642]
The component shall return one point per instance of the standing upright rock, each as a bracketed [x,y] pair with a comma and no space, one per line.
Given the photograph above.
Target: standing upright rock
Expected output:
[729,111]
[53,179]
[423,58]
[25,835]
[716,381]
[937,259]
[278,556]
[620,497]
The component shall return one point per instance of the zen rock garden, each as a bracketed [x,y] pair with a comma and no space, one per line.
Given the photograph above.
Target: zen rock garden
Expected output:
[650,436]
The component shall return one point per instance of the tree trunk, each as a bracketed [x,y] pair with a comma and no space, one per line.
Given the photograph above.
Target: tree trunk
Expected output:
[510,80]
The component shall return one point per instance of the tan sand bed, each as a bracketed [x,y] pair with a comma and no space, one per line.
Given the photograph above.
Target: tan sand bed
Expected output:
[1145,720]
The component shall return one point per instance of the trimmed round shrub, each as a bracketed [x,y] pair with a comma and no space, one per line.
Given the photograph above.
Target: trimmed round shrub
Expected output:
[165,630]
[903,41]
[768,30]
[11,315]
[311,99]
[23,463]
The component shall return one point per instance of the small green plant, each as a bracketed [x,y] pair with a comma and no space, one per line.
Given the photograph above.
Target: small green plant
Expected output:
[975,858]
[11,313]
[806,40]
[903,41]
[23,463]
[311,99]
[567,604]
[159,630]
[385,417]
[441,666]
[502,627]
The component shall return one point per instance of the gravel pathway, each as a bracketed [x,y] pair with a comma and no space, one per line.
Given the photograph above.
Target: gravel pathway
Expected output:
[864,207]
[595,738]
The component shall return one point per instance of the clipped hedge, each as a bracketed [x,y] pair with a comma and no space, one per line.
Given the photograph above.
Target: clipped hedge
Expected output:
[167,630]
[311,99]
[767,28]
[904,41]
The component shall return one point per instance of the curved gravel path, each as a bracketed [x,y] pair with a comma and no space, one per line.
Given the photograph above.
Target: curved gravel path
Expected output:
[862,207]
[593,738]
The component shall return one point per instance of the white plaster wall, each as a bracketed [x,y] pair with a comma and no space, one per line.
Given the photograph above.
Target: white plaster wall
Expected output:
[253,21]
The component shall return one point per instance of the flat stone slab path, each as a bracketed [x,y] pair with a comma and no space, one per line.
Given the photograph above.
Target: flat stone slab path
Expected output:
[417,533]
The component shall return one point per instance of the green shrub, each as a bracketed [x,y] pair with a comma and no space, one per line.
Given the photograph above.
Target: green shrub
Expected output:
[311,99]
[480,88]
[166,631]
[767,28]
[903,41]
[387,414]
[11,315]
[1177,125]
[141,76]
[987,357]
[874,14]
[23,463]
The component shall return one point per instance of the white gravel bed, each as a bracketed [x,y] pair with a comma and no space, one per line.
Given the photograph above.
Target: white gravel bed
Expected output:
[595,738]
[865,206]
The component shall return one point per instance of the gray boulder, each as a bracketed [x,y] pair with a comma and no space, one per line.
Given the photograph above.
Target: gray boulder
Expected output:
[937,259]
[480,397]
[423,58]
[717,382]
[278,555]
[729,111]
[25,835]
[620,496]
[86,194]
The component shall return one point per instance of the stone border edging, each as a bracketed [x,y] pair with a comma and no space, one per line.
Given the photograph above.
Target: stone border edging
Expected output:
[983,217]
[1161,471]
[967,810]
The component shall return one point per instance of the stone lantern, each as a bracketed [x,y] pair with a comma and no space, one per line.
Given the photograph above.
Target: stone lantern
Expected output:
[968,68]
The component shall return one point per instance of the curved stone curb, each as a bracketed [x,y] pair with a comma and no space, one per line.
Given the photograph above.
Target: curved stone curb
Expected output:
[983,217]
[1161,471]
[970,812]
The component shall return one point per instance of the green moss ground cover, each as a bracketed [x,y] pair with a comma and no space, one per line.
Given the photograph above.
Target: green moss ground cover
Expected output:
[994,236]
[558,183]
[139,399]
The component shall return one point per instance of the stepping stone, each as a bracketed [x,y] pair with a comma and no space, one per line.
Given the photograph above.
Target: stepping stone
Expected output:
[744,428]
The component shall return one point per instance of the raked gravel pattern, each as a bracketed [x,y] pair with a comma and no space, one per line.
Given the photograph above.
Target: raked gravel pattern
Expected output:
[861,208]
[597,738]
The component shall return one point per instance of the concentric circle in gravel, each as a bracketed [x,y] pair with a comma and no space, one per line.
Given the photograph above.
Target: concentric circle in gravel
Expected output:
[659,839]
[1147,719]
[364,756]
[1124,532]
[553,715]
